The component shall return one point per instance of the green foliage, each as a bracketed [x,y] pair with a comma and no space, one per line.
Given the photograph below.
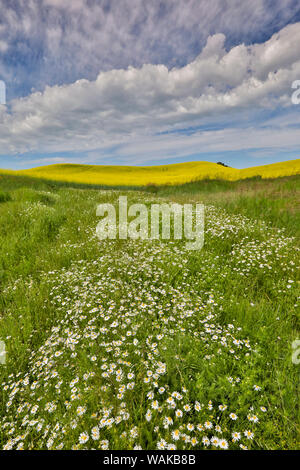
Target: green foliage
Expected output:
[4,196]
[242,286]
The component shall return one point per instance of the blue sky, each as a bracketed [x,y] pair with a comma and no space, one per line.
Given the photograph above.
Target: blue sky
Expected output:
[147,82]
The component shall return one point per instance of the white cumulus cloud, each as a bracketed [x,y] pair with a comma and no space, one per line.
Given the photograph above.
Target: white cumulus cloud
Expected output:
[124,106]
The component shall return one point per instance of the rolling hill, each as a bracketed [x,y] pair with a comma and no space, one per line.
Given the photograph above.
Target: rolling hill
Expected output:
[158,175]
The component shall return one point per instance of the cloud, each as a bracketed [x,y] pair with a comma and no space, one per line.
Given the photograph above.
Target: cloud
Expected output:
[124,107]
[48,42]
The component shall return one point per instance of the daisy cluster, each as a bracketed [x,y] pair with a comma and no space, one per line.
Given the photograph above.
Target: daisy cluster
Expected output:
[138,356]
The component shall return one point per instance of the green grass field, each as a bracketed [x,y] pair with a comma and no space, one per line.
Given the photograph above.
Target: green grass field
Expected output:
[127,344]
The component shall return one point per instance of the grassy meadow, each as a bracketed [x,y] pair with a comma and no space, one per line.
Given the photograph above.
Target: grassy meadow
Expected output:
[125,344]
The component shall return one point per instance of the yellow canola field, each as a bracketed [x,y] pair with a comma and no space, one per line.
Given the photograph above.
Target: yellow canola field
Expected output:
[159,175]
